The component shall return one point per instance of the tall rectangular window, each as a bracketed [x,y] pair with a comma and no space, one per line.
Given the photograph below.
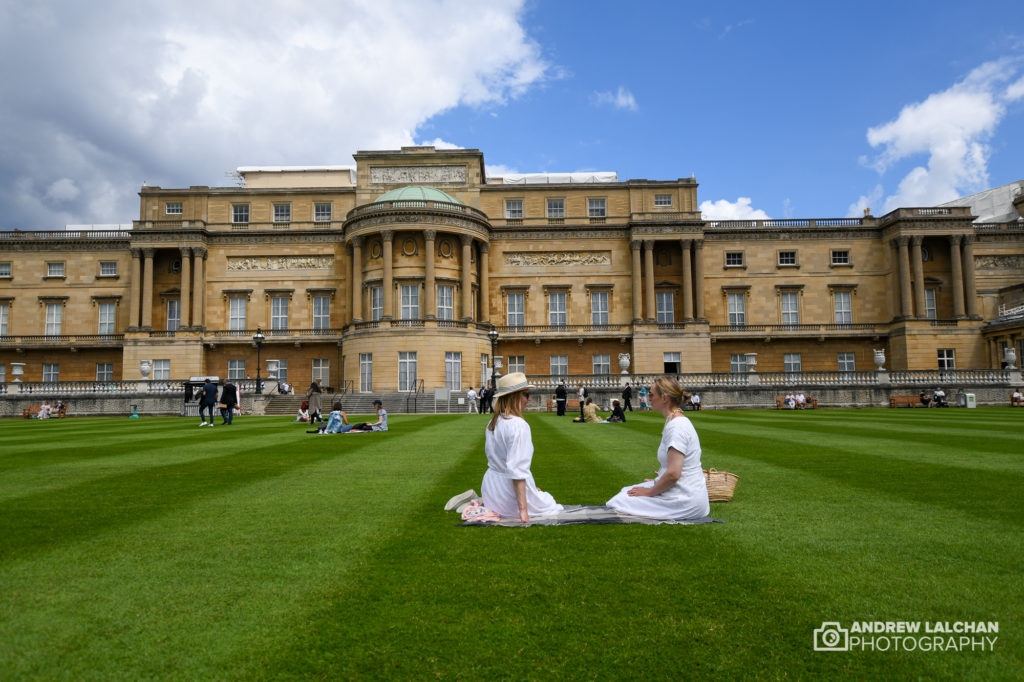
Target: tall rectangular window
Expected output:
[791,362]
[599,307]
[666,306]
[738,362]
[366,372]
[5,313]
[602,364]
[107,318]
[556,208]
[514,209]
[407,371]
[790,307]
[51,371]
[54,318]
[279,312]
[240,213]
[322,212]
[410,301]
[846,362]
[947,358]
[173,208]
[559,365]
[557,315]
[446,302]
[453,371]
[277,368]
[321,312]
[376,303]
[517,363]
[104,371]
[673,363]
[173,314]
[322,371]
[737,309]
[236,370]
[161,369]
[596,208]
[929,304]
[662,200]
[515,307]
[236,313]
[844,309]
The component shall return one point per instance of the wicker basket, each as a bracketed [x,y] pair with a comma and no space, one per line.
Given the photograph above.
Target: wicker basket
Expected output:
[721,485]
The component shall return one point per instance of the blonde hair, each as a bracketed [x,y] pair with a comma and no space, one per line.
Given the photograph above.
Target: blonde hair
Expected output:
[669,387]
[509,405]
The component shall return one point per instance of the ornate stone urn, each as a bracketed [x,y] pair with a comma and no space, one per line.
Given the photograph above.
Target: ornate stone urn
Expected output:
[1010,356]
[880,359]
[145,367]
[624,362]
[17,369]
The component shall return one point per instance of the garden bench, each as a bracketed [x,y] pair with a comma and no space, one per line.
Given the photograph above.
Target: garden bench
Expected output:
[32,411]
[571,404]
[1016,402]
[904,401]
[810,403]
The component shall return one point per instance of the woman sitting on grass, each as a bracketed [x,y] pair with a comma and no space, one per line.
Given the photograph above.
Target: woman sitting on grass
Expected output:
[303,414]
[337,421]
[508,487]
[589,413]
[617,414]
[679,492]
[380,425]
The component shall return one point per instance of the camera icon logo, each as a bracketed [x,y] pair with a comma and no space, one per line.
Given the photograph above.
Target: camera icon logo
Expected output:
[831,637]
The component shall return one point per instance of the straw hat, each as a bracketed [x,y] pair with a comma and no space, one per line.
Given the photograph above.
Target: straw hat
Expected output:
[510,383]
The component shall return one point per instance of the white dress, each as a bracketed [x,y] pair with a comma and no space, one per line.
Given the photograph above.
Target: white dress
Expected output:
[688,498]
[509,451]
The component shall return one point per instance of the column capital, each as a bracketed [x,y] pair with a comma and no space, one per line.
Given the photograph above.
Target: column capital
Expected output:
[484,247]
[635,244]
[387,235]
[955,239]
[136,253]
[148,253]
[186,251]
[429,235]
[467,239]
[968,239]
[356,242]
[649,244]
[199,252]
[915,240]
[901,241]
[686,243]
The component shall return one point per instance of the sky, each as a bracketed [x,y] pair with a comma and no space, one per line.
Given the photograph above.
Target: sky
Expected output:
[781,110]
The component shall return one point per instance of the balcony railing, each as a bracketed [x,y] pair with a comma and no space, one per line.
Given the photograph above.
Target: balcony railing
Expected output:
[270,334]
[784,223]
[564,329]
[930,377]
[65,340]
[832,329]
[416,204]
[389,324]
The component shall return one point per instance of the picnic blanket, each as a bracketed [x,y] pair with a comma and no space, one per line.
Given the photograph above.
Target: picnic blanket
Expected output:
[582,513]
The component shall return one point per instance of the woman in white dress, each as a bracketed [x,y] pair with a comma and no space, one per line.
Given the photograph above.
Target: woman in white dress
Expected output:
[508,487]
[679,492]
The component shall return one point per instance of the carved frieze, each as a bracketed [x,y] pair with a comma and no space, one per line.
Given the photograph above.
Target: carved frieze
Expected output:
[565,258]
[255,263]
[1013,263]
[417,175]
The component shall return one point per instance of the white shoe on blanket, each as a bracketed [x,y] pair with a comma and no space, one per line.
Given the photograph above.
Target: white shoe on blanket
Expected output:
[458,502]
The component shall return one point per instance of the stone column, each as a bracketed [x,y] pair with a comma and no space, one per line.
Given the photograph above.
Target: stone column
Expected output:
[467,277]
[917,265]
[185,302]
[958,276]
[136,292]
[634,246]
[147,288]
[357,279]
[485,283]
[389,279]
[906,303]
[198,287]
[346,277]
[429,282]
[970,289]
[687,281]
[649,305]
[698,276]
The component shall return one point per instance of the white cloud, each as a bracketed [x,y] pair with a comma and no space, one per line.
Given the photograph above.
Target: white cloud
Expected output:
[952,128]
[178,93]
[623,99]
[856,209]
[726,210]
[496,170]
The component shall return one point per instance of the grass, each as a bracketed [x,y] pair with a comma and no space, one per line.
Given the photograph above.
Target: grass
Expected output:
[153,549]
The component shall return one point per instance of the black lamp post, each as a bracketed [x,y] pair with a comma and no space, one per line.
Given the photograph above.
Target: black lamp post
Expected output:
[493,336]
[258,339]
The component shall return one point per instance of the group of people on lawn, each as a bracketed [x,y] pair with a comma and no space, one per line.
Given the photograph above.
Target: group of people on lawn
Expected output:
[337,420]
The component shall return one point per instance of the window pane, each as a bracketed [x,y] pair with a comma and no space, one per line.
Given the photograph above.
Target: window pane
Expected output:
[107,321]
[240,213]
[673,363]
[737,314]
[366,372]
[792,362]
[738,362]
[556,208]
[406,371]
[376,303]
[596,208]
[516,313]
[321,312]
[840,258]
[602,364]
[279,312]
[790,308]
[54,316]
[410,301]
[5,312]
[599,307]
[787,257]
[514,208]
[445,302]
[108,268]
[929,304]
[322,371]
[173,315]
[104,371]
[54,269]
[51,371]
[666,306]
[236,369]
[161,369]
[236,319]
[453,371]
[662,199]
[517,363]
[282,213]
[947,358]
[556,308]
[559,364]
[321,212]
[734,258]
[846,362]
[844,315]
[174,208]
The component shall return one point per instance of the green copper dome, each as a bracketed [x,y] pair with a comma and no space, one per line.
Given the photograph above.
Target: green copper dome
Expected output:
[417,193]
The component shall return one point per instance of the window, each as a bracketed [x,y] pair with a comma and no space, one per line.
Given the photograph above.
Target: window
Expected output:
[161,369]
[484,373]
[515,306]
[559,365]
[236,370]
[321,312]
[929,304]
[556,208]
[596,208]
[376,303]
[173,315]
[666,307]
[514,209]
[840,257]
[947,358]
[407,371]
[5,314]
[410,301]
[734,259]
[54,317]
[104,371]
[738,362]
[737,309]
[173,208]
[55,269]
[108,268]
[453,371]
[787,258]
[517,363]
[279,312]
[322,371]
[599,307]
[366,372]
[282,213]
[5,269]
[556,308]
[236,313]
[602,364]
[446,302]
[239,213]
[322,212]
[846,362]
[278,369]
[51,371]
[662,199]
[844,311]
[673,363]
[107,319]
[790,307]
[791,362]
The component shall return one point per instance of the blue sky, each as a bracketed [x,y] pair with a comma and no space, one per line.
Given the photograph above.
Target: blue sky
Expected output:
[781,110]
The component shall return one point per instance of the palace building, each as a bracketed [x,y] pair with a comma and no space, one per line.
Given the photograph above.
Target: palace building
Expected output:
[388,275]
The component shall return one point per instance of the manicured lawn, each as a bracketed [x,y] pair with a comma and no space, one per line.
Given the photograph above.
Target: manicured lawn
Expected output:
[154,549]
